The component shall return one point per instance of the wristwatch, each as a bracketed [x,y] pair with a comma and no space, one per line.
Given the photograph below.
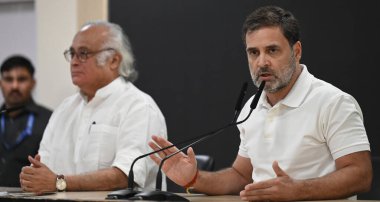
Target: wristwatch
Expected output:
[60,184]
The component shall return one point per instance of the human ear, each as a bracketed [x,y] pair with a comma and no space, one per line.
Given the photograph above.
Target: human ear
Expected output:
[297,48]
[115,61]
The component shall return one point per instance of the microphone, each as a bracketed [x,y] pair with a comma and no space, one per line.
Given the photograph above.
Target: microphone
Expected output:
[239,103]
[160,195]
[130,191]
[8,110]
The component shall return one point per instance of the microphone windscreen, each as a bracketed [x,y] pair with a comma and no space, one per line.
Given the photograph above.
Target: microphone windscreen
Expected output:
[239,103]
[258,95]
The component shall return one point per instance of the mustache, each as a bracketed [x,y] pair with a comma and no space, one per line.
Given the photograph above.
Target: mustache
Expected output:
[14,92]
[264,70]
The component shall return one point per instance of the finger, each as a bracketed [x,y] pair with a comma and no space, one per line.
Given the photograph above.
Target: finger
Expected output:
[24,176]
[162,142]
[20,180]
[154,146]
[279,172]
[27,183]
[257,194]
[34,162]
[155,159]
[27,170]
[37,157]
[259,185]
[191,155]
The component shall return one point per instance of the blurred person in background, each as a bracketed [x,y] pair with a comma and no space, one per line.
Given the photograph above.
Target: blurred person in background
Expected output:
[22,121]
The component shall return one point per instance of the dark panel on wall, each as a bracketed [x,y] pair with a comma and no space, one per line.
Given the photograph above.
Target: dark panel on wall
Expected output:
[192,61]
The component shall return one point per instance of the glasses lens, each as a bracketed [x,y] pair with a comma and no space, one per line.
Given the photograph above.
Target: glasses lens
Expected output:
[82,55]
[68,55]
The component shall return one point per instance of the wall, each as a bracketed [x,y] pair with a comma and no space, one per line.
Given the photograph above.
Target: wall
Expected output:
[42,30]
[57,23]
[18,33]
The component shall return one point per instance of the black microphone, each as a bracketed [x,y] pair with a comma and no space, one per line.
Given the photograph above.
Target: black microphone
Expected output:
[239,103]
[158,194]
[130,191]
[11,109]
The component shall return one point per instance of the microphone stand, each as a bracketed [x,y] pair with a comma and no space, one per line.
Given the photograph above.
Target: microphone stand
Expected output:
[158,194]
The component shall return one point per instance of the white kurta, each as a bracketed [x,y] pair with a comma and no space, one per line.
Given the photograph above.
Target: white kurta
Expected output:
[110,130]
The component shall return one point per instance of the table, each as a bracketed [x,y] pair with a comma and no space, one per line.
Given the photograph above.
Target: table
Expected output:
[101,195]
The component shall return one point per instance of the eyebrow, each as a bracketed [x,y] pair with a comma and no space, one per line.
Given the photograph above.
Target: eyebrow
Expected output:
[14,77]
[272,46]
[79,48]
[266,47]
[251,49]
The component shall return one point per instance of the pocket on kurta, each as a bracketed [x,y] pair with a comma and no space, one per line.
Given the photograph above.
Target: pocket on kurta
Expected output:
[102,145]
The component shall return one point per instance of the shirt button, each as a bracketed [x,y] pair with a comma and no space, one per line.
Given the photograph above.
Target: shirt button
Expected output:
[267,135]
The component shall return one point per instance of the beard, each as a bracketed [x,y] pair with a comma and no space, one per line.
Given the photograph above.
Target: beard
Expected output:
[282,77]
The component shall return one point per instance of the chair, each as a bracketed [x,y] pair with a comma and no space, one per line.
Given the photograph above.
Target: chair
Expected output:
[204,162]
[374,193]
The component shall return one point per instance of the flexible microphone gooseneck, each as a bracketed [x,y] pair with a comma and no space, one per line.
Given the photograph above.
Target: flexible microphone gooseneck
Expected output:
[130,191]
[159,195]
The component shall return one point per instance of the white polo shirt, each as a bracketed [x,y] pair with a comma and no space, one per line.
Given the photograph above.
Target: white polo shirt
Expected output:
[110,130]
[305,132]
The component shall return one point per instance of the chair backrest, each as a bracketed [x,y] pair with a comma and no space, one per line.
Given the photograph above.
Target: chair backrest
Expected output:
[374,194]
[204,162]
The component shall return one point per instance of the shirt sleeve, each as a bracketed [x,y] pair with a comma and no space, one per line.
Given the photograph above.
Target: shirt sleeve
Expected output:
[343,127]
[141,122]
[45,149]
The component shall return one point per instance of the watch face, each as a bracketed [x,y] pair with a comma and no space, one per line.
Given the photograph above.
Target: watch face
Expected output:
[61,184]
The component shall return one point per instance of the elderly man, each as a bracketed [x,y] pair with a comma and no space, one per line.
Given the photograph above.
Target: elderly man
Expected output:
[94,135]
[23,121]
[305,140]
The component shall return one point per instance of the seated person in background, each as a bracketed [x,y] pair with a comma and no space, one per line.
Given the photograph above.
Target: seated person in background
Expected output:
[22,121]
[305,140]
[94,135]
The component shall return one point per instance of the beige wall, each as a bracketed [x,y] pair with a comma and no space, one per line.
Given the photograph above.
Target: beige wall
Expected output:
[57,23]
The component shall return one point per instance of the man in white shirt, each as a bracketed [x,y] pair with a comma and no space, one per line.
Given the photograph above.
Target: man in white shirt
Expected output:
[94,135]
[305,140]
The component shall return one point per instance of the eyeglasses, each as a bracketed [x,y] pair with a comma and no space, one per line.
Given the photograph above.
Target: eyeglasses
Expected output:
[82,54]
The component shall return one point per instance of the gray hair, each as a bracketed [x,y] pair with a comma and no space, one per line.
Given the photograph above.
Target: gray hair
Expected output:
[118,41]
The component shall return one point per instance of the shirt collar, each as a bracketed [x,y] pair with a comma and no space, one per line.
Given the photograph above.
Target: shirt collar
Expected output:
[296,95]
[107,90]
[300,88]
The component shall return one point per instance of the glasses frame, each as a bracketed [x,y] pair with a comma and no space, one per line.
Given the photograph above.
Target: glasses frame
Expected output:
[83,56]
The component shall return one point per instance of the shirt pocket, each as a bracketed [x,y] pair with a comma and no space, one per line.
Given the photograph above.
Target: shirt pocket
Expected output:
[101,148]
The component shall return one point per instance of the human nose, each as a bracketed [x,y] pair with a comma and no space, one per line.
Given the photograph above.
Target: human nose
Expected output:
[15,84]
[74,59]
[262,60]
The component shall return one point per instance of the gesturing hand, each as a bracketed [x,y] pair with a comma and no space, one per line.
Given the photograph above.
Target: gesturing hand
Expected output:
[180,168]
[281,188]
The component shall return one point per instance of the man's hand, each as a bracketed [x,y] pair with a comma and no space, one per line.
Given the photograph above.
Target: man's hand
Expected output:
[37,177]
[281,188]
[180,168]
